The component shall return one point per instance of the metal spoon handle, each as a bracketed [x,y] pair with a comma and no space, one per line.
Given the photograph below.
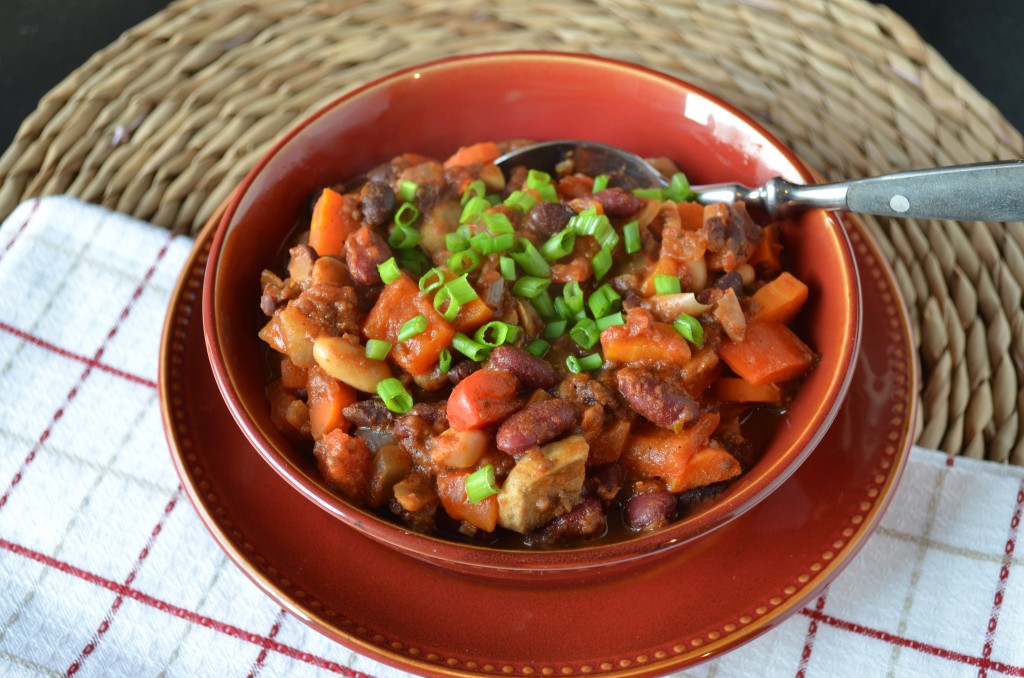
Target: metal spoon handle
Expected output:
[981,192]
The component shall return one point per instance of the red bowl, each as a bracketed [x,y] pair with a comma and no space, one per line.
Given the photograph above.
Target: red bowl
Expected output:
[435,108]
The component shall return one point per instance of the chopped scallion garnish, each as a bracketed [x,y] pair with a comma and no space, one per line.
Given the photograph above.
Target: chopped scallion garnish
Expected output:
[520,200]
[389,271]
[585,333]
[600,182]
[558,245]
[481,484]
[498,224]
[431,280]
[407,214]
[394,395]
[530,259]
[414,260]
[631,235]
[476,205]
[447,310]
[407,190]
[555,329]
[584,364]
[411,327]
[496,333]
[690,329]
[463,262]
[603,301]
[601,262]
[507,266]
[679,188]
[649,193]
[377,349]
[476,189]
[666,284]
[457,241]
[404,237]
[607,321]
[444,360]
[543,305]
[573,296]
[470,348]
[529,287]
[538,347]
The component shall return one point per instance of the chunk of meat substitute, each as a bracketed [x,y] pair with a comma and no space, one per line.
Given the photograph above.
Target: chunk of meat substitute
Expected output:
[544,483]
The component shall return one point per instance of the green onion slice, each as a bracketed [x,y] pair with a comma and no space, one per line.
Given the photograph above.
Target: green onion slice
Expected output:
[603,301]
[585,333]
[496,333]
[598,226]
[404,237]
[444,360]
[476,189]
[601,262]
[481,484]
[607,321]
[631,234]
[473,350]
[389,271]
[558,245]
[584,364]
[507,266]
[476,205]
[497,223]
[649,193]
[690,329]
[407,214]
[411,327]
[431,280]
[543,305]
[573,296]
[407,190]
[520,200]
[414,260]
[457,241]
[600,182]
[667,284]
[529,287]
[538,347]
[463,262]
[555,329]
[377,349]
[394,395]
[679,188]
[530,259]
[449,311]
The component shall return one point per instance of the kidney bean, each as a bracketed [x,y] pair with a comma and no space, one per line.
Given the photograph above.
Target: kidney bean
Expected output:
[372,413]
[461,370]
[606,480]
[535,425]
[377,201]
[364,249]
[586,519]
[547,218]
[650,509]
[617,202]
[531,370]
[657,399]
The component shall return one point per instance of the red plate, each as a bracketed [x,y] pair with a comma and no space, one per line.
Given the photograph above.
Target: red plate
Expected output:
[697,602]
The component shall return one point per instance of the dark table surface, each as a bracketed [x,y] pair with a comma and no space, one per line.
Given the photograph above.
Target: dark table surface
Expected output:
[42,41]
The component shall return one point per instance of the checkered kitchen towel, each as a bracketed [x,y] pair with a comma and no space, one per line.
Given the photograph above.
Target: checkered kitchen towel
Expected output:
[106,570]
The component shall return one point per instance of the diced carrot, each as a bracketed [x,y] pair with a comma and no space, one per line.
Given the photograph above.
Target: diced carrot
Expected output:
[665,265]
[682,245]
[475,154]
[451,489]
[691,215]
[769,353]
[399,302]
[293,377]
[484,397]
[736,390]
[642,340]
[573,186]
[345,462]
[779,300]
[765,256]
[608,445]
[666,454]
[709,465]
[327,398]
[333,221]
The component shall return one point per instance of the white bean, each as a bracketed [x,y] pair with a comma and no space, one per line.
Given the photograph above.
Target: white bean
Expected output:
[346,361]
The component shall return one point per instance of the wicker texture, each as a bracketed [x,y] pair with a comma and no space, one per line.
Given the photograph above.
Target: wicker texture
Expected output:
[165,121]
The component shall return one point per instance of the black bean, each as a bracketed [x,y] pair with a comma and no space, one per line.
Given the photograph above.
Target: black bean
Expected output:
[733,280]
[377,201]
[371,413]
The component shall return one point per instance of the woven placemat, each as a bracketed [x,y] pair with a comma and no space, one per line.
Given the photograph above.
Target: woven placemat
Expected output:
[165,121]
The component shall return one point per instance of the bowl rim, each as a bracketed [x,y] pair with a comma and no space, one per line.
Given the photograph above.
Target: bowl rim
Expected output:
[483,557]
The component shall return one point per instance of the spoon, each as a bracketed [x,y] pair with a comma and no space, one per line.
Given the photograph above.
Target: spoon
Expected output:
[992,191]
